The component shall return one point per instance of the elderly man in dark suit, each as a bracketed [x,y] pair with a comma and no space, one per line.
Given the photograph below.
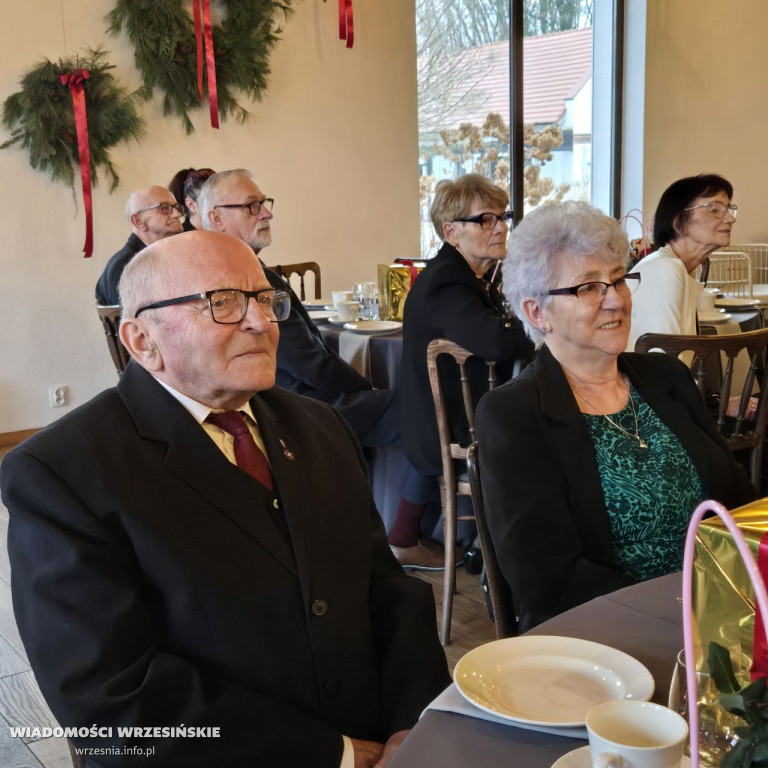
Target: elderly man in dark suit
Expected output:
[153,214]
[172,570]
[232,202]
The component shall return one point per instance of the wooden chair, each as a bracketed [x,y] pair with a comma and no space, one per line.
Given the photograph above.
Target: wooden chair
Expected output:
[286,270]
[454,481]
[110,321]
[502,601]
[739,434]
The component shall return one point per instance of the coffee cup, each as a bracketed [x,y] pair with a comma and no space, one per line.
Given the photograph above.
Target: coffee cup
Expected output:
[705,301]
[635,734]
[338,296]
[347,310]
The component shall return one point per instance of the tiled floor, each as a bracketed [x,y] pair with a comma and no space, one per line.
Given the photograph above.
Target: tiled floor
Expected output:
[22,704]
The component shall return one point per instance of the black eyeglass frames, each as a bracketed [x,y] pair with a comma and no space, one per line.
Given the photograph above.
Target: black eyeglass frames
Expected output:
[488,220]
[595,290]
[230,305]
[254,206]
[165,208]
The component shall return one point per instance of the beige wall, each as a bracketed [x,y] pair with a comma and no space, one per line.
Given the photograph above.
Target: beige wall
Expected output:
[706,105]
[334,142]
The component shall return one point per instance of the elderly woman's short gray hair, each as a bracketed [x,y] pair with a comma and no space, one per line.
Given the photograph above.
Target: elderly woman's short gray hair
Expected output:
[552,232]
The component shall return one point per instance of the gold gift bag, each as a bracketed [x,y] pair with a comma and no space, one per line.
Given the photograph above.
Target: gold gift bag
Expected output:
[724,602]
[395,281]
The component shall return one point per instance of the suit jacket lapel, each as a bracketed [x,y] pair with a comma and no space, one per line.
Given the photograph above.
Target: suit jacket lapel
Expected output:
[195,460]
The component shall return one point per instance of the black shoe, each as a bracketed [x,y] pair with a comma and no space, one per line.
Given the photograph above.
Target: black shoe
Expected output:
[473,560]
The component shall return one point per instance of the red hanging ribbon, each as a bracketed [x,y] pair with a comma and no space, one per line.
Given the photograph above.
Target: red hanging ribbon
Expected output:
[204,30]
[74,80]
[199,40]
[346,23]
[411,268]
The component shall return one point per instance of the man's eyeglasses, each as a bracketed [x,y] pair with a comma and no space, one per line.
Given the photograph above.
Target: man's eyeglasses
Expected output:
[254,206]
[593,292]
[165,208]
[718,208]
[488,220]
[229,305]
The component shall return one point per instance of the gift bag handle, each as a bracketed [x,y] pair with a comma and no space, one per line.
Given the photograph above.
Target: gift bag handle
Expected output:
[757,583]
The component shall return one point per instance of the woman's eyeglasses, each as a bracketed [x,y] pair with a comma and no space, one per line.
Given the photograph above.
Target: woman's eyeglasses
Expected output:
[718,208]
[593,292]
[488,220]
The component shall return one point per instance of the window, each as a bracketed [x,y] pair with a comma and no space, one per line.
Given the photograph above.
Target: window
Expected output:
[464,98]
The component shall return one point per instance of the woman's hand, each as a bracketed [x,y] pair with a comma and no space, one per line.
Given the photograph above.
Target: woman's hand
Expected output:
[733,408]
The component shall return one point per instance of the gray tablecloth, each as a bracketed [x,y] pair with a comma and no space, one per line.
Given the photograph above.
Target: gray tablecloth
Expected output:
[644,621]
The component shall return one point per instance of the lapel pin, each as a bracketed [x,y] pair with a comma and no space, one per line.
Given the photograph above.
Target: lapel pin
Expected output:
[288,454]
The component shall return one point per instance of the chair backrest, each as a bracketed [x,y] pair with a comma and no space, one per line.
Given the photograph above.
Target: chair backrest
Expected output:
[286,270]
[502,601]
[758,257]
[739,433]
[731,272]
[110,321]
[450,450]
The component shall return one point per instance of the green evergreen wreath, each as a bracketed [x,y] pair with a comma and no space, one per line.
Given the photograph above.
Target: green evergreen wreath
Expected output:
[41,117]
[162,34]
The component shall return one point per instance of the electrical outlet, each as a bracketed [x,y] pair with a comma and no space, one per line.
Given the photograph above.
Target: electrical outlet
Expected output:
[58,396]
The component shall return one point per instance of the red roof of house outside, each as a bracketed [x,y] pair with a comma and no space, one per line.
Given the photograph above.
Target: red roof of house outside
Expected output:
[555,68]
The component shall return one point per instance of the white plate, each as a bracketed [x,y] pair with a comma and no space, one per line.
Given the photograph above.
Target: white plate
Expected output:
[317,304]
[548,680]
[372,327]
[733,302]
[336,321]
[580,758]
[714,317]
[320,314]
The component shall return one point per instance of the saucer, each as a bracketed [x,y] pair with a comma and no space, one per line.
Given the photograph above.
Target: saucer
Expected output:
[580,758]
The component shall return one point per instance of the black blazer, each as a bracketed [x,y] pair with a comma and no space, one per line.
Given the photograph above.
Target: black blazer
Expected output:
[150,589]
[106,287]
[449,301]
[541,483]
[307,366]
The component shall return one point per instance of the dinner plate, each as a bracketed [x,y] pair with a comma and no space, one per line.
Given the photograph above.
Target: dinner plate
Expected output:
[317,304]
[581,758]
[737,303]
[714,317]
[374,327]
[548,680]
[335,320]
[320,314]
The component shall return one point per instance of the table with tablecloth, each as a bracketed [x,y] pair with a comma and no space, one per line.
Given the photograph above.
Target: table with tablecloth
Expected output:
[378,358]
[644,620]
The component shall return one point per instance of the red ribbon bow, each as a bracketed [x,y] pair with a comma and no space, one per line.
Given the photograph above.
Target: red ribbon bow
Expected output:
[346,25]
[204,28]
[74,80]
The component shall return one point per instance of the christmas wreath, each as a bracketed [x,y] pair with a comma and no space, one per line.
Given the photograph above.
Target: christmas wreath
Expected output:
[162,34]
[41,118]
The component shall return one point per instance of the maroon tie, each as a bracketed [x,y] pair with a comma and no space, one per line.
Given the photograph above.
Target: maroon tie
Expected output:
[247,454]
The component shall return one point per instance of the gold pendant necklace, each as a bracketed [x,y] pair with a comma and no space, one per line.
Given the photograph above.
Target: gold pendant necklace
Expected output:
[636,436]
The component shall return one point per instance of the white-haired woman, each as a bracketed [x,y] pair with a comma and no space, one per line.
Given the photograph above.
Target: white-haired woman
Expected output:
[592,459]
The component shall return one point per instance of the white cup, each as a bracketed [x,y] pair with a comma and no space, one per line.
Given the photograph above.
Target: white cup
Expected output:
[635,734]
[705,301]
[339,296]
[347,310]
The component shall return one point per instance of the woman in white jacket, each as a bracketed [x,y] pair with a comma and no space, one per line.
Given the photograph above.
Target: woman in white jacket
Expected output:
[693,219]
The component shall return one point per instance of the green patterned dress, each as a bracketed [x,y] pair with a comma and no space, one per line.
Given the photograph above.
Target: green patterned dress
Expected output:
[650,493]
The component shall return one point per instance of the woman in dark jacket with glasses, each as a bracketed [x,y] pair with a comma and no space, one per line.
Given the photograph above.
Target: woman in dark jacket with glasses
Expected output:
[455,298]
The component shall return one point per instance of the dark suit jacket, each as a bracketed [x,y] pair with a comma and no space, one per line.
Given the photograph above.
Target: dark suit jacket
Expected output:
[106,287]
[448,300]
[541,483]
[150,588]
[305,365]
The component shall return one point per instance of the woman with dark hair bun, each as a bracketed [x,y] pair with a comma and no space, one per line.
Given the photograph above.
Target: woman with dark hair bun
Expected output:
[693,219]
[185,186]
